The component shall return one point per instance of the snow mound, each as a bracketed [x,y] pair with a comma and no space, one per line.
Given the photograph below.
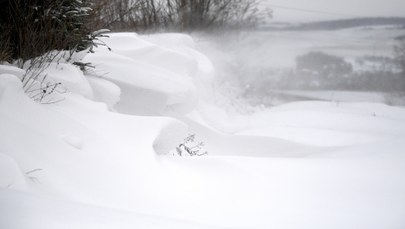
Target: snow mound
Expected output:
[165,57]
[170,137]
[9,69]
[9,82]
[154,80]
[184,44]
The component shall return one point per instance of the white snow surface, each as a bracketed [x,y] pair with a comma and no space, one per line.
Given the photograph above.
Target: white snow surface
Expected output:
[101,158]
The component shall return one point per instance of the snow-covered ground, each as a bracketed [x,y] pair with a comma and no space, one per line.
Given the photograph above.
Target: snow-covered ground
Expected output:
[105,156]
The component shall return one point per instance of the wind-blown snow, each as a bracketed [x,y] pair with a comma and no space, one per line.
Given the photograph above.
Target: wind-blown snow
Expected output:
[91,160]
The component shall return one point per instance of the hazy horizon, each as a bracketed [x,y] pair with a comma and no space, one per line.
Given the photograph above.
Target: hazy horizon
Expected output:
[315,10]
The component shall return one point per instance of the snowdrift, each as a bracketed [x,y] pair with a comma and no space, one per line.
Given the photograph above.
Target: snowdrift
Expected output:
[103,157]
[154,80]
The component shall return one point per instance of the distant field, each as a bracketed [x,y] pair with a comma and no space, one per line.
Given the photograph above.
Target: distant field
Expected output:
[338,24]
[278,49]
[256,62]
[336,96]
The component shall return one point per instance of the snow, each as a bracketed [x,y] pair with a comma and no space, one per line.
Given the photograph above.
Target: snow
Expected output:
[147,88]
[52,213]
[9,69]
[104,91]
[101,158]
[74,141]
[12,177]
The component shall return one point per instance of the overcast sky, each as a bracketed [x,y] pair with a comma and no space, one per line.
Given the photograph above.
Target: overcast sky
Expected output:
[308,10]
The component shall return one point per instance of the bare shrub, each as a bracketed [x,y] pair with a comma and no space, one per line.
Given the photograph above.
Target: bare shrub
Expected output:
[202,14]
[190,147]
[141,15]
[5,48]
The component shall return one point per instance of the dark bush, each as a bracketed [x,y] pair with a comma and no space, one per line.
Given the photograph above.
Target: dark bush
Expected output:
[32,28]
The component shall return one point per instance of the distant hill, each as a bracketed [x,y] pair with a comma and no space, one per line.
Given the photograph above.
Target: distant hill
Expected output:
[343,24]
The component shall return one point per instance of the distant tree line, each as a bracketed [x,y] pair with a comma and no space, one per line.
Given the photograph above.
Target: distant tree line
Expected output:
[399,51]
[347,23]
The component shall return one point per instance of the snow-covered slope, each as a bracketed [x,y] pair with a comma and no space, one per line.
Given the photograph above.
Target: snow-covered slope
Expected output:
[102,157]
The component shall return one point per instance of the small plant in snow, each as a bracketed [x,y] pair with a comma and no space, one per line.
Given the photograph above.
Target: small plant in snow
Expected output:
[46,92]
[190,147]
[37,85]
[83,66]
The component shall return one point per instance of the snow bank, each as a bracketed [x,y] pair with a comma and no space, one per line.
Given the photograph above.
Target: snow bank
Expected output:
[9,69]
